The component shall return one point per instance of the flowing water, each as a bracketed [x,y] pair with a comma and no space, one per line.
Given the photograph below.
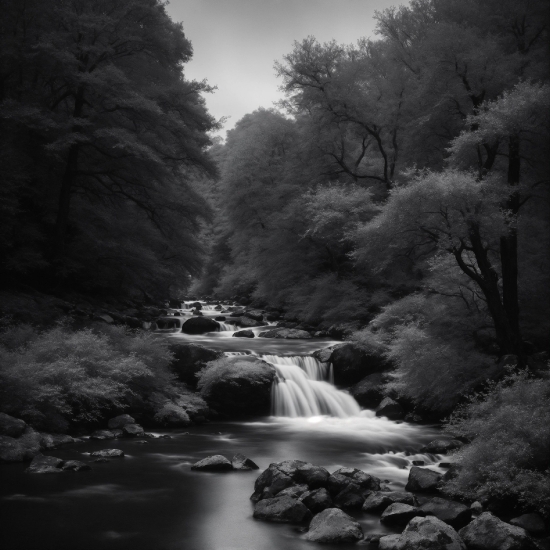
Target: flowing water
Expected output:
[152,500]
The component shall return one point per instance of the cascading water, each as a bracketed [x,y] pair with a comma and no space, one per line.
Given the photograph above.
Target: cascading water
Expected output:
[303,388]
[224,327]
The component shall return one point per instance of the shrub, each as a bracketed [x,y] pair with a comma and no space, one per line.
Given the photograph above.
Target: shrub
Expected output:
[507,459]
[77,375]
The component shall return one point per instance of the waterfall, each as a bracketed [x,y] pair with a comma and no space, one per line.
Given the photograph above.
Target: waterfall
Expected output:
[303,388]
[226,326]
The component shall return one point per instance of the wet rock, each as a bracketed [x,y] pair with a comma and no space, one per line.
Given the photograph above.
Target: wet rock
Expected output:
[118,422]
[194,305]
[364,480]
[352,362]
[296,491]
[76,466]
[399,514]
[241,462]
[422,480]
[369,391]
[314,476]
[220,318]
[54,441]
[487,532]
[532,523]
[476,508]
[317,500]
[243,334]
[255,314]
[214,463]
[334,526]
[45,465]
[248,322]
[351,497]
[287,333]
[453,513]
[200,325]
[102,460]
[390,409]
[323,355]
[239,385]
[189,359]
[424,533]
[108,453]
[442,446]
[10,426]
[133,430]
[19,449]
[379,501]
[284,509]
[418,463]
[102,435]
[337,483]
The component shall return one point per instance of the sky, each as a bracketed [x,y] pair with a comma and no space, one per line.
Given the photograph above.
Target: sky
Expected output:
[236,42]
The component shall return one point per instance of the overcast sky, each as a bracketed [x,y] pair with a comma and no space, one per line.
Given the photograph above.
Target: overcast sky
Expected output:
[236,42]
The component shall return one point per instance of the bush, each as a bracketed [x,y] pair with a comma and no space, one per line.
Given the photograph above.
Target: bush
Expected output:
[507,459]
[60,376]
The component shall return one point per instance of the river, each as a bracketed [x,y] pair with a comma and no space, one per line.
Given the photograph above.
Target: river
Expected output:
[151,499]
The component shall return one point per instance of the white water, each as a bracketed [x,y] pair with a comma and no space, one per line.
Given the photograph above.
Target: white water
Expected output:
[303,389]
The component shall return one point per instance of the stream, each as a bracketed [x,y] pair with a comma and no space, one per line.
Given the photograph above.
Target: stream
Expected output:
[151,499]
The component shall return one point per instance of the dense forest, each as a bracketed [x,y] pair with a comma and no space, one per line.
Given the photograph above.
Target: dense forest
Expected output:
[398,198]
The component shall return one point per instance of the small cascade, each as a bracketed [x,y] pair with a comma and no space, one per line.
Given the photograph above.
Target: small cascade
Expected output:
[226,326]
[303,389]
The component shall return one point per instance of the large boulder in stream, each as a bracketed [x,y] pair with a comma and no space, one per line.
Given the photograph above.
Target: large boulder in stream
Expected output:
[352,362]
[239,385]
[369,391]
[214,463]
[422,480]
[200,325]
[284,509]
[334,526]
[287,333]
[190,359]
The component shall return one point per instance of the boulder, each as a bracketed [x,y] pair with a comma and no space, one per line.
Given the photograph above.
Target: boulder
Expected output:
[102,435]
[366,481]
[390,409]
[487,532]
[189,359]
[197,312]
[424,533]
[287,333]
[241,462]
[255,314]
[369,391]
[194,305]
[108,453]
[76,466]
[399,514]
[532,523]
[317,500]
[323,355]
[243,334]
[133,430]
[220,318]
[476,508]
[239,385]
[334,526]
[19,449]
[379,501]
[45,465]
[352,362]
[314,476]
[453,513]
[442,446]
[296,491]
[118,422]
[337,483]
[54,441]
[284,509]
[10,426]
[248,322]
[422,480]
[350,497]
[200,325]
[214,463]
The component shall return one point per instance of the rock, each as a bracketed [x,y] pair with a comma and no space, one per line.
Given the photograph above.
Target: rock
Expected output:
[189,359]
[317,500]
[487,532]
[296,491]
[284,509]
[442,446]
[54,441]
[532,523]
[10,426]
[337,483]
[422,480]
[172,415]
[194,305]
[214,463]
[476,508]
[248,322]
[369,391]
[142,442]
[352,362]
[118,422]
[102,435]
[23,448]
[379,501]
[418,463]
[104,317]
[45,465]
[102,460]
[118,433]
[243,334]
[239,385]
[366,481]
[255,314]
[390,408]
[424,533]
[108,453]
[133,430]
[287,333]
[452,472]
[314,476]
[453,513]
[76,466]
[334,526]
[241,462]
[351,497]
[200,325]
[220,318]
[197,312]
[323,355]
[399,514]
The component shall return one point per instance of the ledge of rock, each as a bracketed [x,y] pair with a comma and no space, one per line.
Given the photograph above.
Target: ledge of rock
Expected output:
[108,453]
[334,526]
[288,333]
